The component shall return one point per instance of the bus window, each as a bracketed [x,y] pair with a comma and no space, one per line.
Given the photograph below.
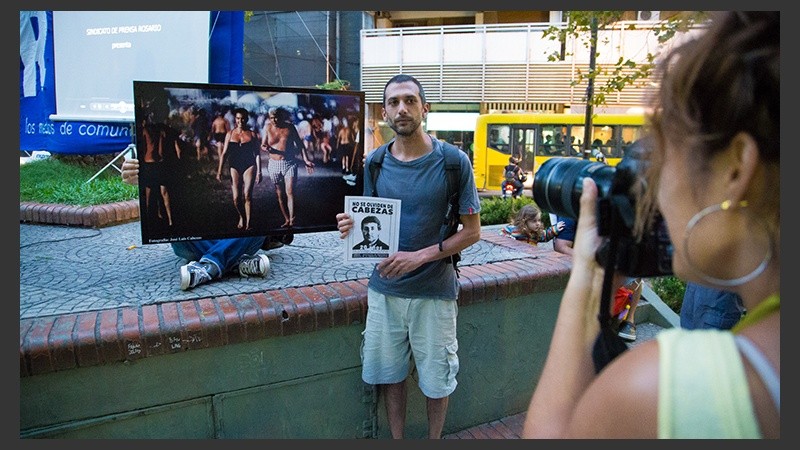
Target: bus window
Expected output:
[603,140]
[524,143]
[612,149]
[499,138]
[576,140]
[628,135]
[552,140]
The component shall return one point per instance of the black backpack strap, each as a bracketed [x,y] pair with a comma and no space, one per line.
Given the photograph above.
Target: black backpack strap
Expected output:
[452,166]
[375,167]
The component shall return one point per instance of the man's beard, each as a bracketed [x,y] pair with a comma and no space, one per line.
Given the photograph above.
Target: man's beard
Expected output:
[407,130]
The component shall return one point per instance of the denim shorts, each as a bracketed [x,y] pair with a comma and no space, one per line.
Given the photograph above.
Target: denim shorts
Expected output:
[398,328]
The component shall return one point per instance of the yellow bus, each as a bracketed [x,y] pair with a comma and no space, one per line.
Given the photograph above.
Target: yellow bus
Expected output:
[534,138]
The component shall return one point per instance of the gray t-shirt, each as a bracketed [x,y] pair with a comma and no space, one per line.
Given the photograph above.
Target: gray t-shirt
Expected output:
[421,185]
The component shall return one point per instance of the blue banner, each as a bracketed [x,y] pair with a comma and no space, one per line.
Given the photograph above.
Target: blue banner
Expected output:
[37,86]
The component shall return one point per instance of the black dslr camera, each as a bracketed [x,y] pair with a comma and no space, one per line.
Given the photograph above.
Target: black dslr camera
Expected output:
[557,188]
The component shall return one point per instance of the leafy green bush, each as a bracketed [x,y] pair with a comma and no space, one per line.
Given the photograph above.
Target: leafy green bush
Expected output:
[64,181]
[497,210]
[670,290]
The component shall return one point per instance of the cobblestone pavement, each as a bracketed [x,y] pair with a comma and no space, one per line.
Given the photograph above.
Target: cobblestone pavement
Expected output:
[66,270]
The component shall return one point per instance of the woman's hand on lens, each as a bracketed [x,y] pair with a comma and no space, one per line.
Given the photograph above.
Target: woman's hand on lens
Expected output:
[586,239]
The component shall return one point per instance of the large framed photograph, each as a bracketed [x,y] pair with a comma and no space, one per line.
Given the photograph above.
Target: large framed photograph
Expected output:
[224,161]
[376,230]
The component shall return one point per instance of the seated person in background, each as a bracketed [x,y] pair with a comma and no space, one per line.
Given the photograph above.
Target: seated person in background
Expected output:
[566,236]
[551,148]
[547,145]
[211,259]
[558,148]
[495,140]
[577,147]
[527,226]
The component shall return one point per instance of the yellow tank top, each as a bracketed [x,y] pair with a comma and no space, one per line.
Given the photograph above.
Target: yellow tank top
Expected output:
[703,391]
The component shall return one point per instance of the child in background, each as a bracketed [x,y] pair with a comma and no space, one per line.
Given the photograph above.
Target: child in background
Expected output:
[527,226]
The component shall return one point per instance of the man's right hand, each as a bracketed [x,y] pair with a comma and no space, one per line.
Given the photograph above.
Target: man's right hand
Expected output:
[130,171]
[345,223]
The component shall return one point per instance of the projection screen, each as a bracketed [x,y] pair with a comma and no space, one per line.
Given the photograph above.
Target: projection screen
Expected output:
[98,55]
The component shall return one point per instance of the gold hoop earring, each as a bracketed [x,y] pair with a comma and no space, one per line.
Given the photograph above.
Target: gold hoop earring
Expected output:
[724,206]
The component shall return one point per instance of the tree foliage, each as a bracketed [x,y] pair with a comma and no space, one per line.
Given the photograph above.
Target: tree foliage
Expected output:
[335,85]
[625,72]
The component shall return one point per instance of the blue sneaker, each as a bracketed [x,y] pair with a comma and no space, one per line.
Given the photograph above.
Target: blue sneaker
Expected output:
[253,266]
[193,274]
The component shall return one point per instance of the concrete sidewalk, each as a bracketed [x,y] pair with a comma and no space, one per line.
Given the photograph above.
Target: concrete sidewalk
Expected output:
[67,270]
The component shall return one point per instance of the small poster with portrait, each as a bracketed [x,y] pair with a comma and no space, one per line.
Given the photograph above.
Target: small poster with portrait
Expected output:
[376,228]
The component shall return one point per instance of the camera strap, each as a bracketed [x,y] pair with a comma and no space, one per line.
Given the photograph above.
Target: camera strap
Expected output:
[608,345]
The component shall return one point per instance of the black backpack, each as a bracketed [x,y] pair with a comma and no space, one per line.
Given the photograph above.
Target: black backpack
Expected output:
[452,166]
[514,172]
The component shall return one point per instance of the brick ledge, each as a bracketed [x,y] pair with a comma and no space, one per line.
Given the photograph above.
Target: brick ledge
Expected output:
[70,341]
[96,216]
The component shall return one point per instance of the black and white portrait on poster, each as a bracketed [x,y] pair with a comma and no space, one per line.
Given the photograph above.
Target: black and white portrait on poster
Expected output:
[225,161]
[376,230]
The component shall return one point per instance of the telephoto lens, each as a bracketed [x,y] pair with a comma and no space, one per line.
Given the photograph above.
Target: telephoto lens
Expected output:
[557,188]
[558,184]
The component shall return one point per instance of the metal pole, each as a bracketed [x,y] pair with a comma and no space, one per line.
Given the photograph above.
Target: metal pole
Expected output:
[327,46]
[130,151]
[587,133]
